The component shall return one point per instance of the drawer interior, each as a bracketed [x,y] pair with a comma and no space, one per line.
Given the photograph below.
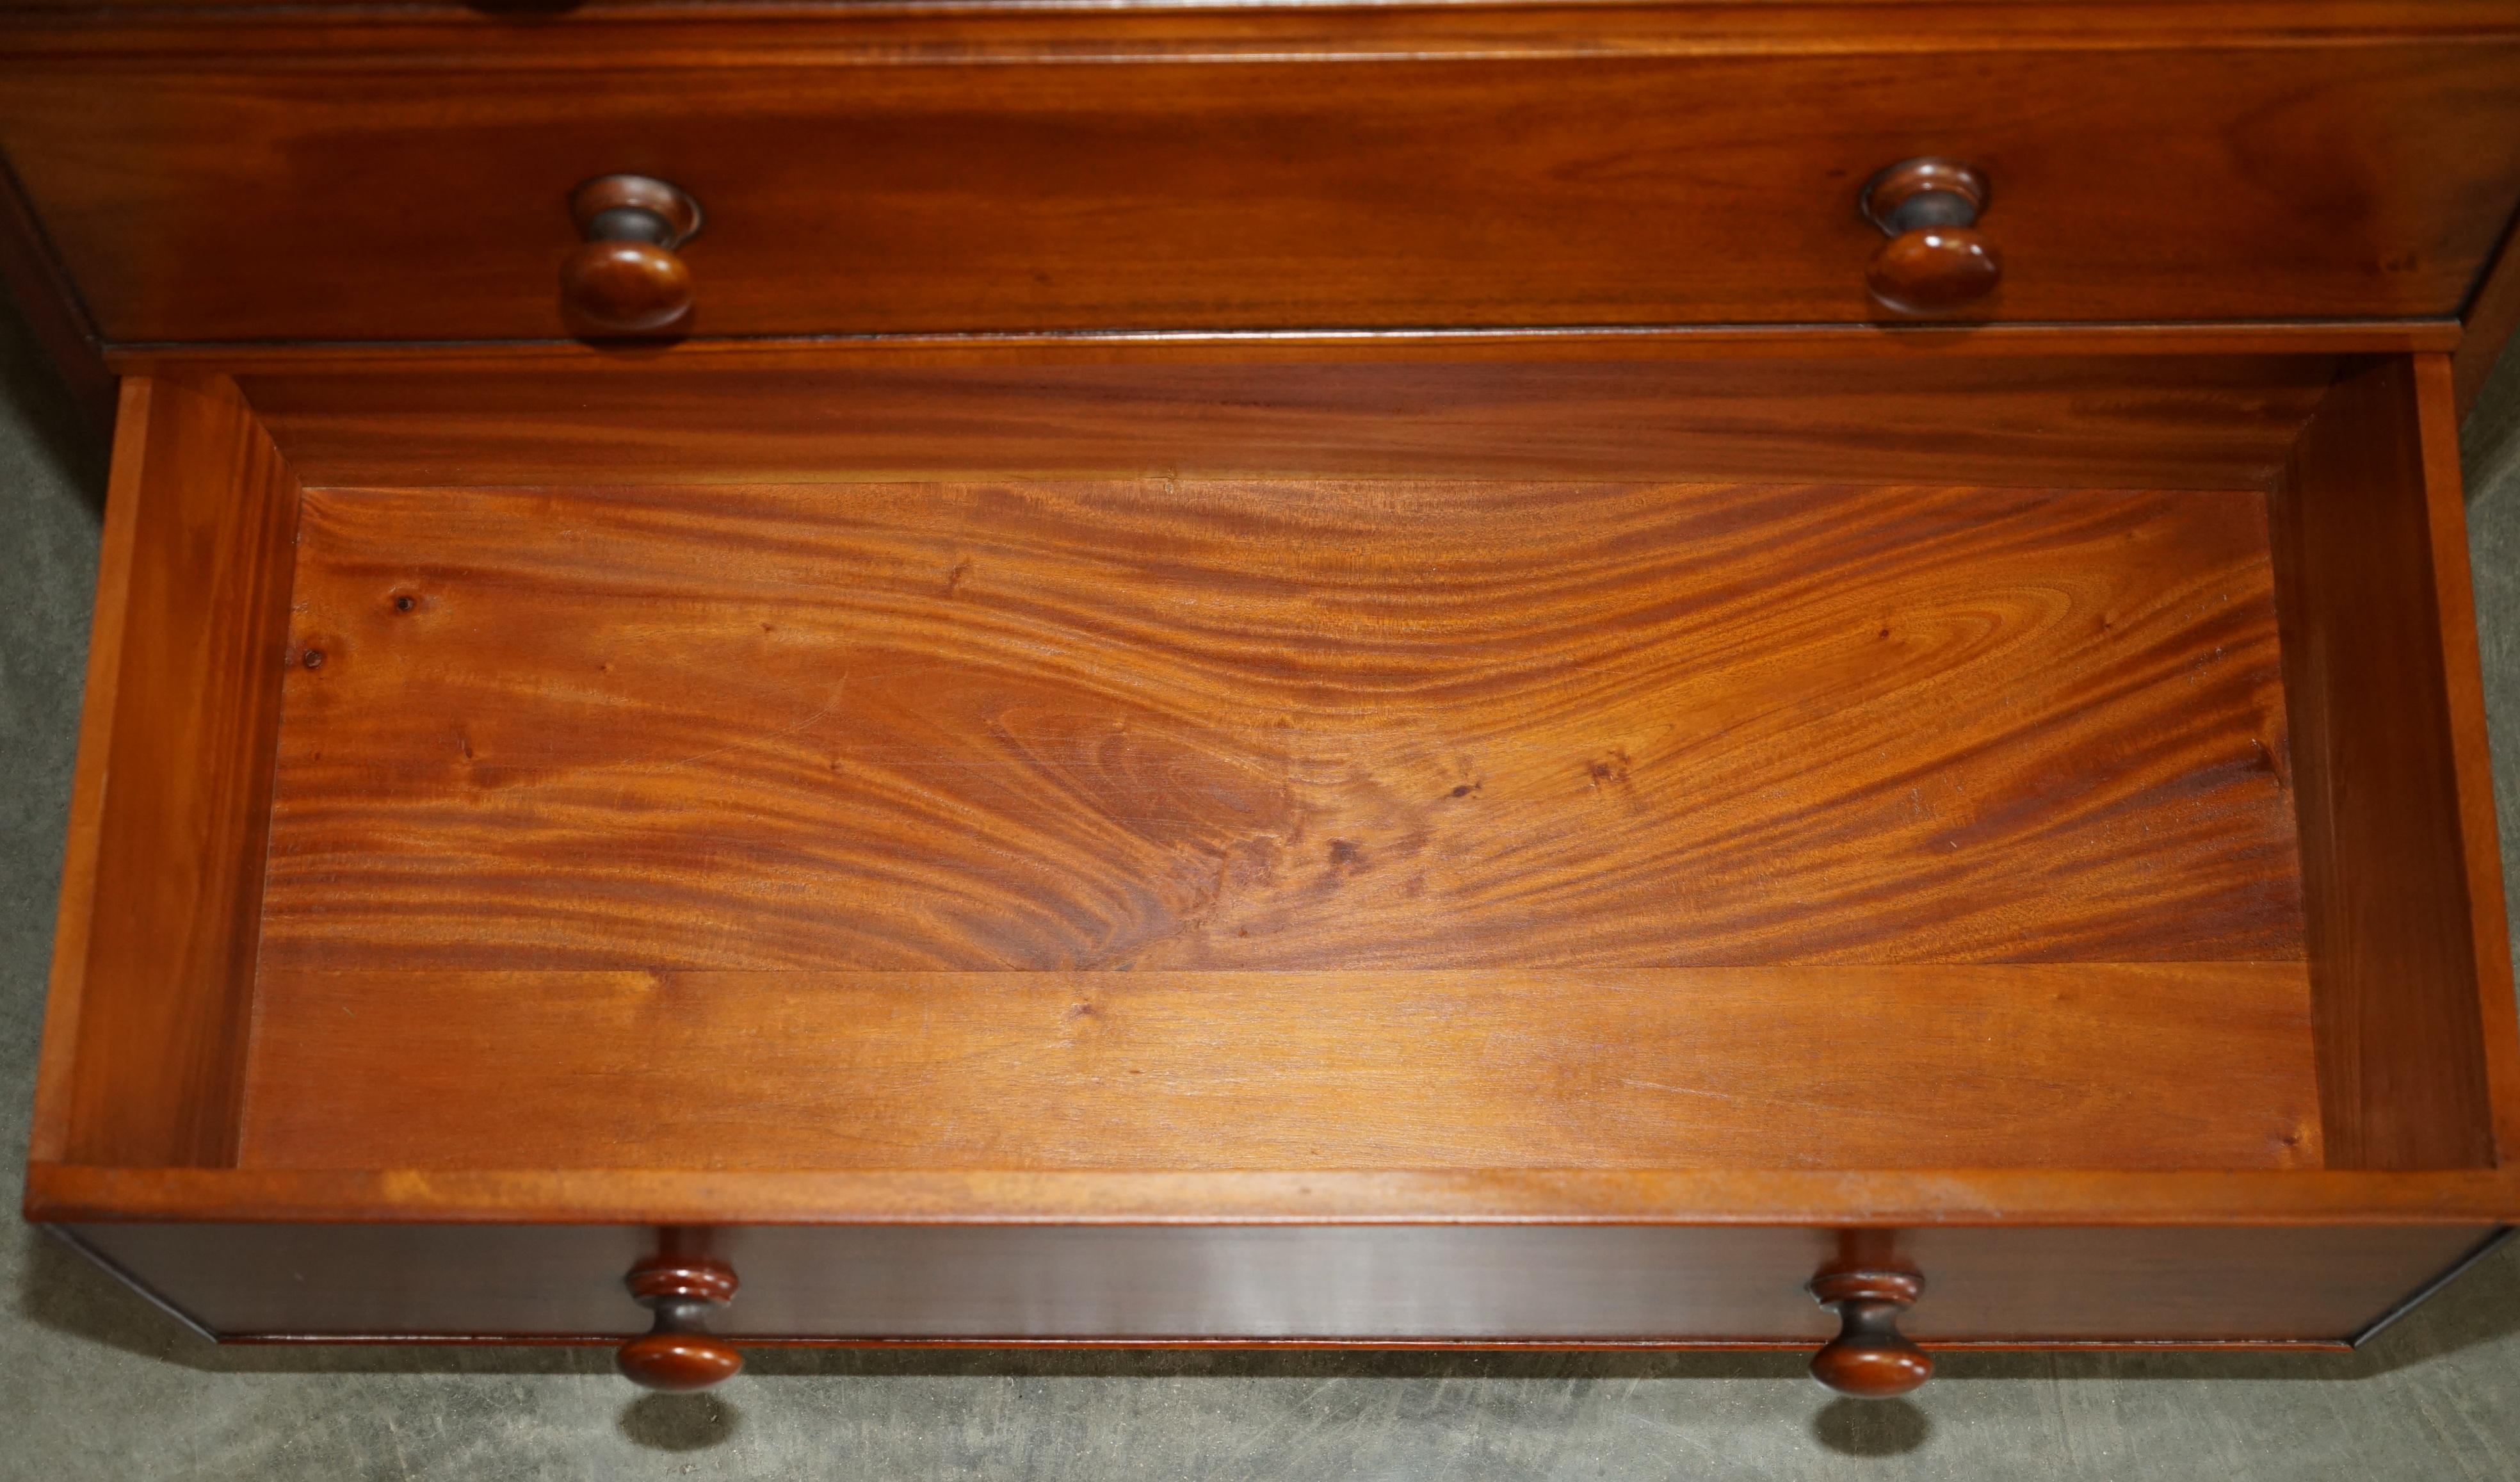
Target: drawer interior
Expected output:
[825,822]
[1705,805]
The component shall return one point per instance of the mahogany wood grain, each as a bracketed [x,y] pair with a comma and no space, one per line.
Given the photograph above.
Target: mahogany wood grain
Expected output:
[1936,270]
[1934,263]
[1628,408]
[626,279]
[1357,1282]
[1279,726]
[2400,867]
[714,30]
[1400,568]
[175,779]
[1869,1358]
[864,175]
[73,917]
[2208,1066]
[679,1353]
[2480,848]
[609,34]
[678,1360]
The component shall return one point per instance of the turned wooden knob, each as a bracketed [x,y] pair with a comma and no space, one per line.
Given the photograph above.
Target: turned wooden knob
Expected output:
[1870,1358]
[679,1352]
[627,278]
[1936,260]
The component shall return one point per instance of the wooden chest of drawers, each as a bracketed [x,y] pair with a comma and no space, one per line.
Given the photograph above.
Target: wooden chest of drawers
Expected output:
[1280,674]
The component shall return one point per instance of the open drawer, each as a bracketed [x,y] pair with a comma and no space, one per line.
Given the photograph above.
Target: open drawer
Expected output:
[1397,841]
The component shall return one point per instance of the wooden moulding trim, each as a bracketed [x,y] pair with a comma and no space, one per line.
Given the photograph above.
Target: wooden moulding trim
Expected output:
[1088,346]
[88,780]
[909,34]
[74,1193]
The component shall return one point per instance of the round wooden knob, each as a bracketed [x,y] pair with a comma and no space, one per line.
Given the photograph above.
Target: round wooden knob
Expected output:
[626,286]
[679,1360]
[1934,271]
[679,1353]
[1869,1358]
[627,279]
[1936,260]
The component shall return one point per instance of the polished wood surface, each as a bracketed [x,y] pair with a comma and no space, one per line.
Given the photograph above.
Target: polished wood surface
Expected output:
[2133,626]
[673,1277]
[1580,407]
[679,1353]
[2400,861]
[676,1360]
[948,173]
[1869,1358]
[1936,270]
[2208,1066]
[154,957]
[616,287]
[1280,674]
[49,1133]
[1935,263]
[1279,728]
[627,278]
[715,30]
[1387,1282]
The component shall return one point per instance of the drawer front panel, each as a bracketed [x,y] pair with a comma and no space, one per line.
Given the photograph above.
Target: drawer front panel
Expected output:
[1365,1283]
[421,201]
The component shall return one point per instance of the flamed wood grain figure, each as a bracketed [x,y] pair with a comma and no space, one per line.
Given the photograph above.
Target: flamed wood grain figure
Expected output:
[1279,673]
[1679,875]
[1281,726]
